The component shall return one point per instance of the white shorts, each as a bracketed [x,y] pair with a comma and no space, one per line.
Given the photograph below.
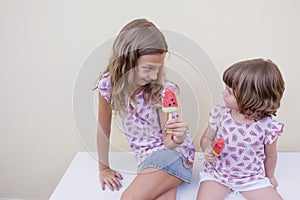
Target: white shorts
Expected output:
[237,188]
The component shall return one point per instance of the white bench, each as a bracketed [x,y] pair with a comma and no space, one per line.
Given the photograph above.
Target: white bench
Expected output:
[80,181]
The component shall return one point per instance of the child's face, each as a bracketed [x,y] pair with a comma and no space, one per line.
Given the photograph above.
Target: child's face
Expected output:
[229,98]
[148,67]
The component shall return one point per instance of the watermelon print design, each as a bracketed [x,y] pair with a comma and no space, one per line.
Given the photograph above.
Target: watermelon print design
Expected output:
[142,128]
[169,101]
[242,158]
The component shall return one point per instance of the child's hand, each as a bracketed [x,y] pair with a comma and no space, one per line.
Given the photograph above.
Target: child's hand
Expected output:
[274,182]
[177,128]
[209,155]
[110,178]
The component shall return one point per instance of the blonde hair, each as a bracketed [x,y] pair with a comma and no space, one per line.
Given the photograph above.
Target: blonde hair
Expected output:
[257,85]
[138,38]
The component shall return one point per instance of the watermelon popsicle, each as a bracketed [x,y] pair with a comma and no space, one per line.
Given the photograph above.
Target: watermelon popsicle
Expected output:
[169,104]
[217,146]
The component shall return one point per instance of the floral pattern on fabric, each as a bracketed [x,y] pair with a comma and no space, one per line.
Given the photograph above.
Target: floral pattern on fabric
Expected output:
[142,128]
[242,159]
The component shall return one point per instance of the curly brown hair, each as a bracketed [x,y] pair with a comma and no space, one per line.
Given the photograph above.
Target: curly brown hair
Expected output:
[257,85]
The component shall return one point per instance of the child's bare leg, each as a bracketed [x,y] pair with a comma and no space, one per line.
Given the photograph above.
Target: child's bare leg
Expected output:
[211,190]
[267,193]
[151,184]
[171,194]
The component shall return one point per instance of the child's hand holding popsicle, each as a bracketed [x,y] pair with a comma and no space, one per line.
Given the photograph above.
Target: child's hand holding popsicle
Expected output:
[215,149]
[176,127]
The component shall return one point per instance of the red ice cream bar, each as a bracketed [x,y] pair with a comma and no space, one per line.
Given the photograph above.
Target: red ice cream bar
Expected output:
[169,103]
[217,146]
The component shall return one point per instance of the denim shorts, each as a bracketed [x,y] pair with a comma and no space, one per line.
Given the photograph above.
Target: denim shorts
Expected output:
[169,161]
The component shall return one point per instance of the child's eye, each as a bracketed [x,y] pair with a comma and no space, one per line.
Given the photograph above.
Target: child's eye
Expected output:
[147,69]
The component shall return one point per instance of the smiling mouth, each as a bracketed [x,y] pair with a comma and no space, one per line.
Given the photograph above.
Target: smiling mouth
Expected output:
[148,81]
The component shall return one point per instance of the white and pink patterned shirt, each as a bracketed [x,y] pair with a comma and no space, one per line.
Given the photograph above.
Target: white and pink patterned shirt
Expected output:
[242,159]
[142,128]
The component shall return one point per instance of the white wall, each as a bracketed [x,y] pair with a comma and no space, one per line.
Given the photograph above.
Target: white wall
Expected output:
[45,43]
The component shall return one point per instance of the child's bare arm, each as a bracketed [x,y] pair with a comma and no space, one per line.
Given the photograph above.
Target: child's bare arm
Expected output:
[271,161]
[107,176]
[207,137]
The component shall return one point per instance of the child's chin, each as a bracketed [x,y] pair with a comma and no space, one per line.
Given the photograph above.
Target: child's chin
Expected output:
[143,83]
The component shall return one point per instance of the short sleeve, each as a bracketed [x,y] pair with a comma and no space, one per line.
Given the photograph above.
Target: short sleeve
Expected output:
[272,131]
[215,117]
[104,87]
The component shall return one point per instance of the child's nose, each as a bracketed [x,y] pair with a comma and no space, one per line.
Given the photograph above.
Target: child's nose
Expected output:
[153,76]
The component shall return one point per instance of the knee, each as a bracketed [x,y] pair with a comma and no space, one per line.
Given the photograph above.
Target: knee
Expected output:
[126,195]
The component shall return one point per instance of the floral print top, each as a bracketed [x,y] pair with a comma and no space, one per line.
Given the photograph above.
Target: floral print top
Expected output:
[142,127]
[242,159]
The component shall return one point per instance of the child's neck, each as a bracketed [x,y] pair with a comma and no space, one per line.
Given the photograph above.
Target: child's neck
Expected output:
[240,118]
